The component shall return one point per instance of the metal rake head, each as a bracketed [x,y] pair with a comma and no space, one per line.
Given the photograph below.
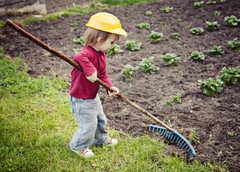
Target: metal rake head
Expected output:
[174,136]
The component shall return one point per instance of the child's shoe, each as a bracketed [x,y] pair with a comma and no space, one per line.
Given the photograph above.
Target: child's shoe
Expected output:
[112,142]
[84,153]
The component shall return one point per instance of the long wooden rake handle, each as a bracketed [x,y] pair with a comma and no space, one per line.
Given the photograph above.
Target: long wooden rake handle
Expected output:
[74,64]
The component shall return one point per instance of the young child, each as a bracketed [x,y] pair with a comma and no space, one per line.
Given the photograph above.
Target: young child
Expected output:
[103,30]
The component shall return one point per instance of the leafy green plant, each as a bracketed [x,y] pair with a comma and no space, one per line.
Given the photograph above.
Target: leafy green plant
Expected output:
[222,1]
[155,36]
[211,86]
[79,40]
[143,26]
[163,23]
[211,2]
[177,99]
[230,134]
[197,56]
[217,13]
[129,72]
[74,24]
[166,9]
[216,50]
[234,44]
[176,36]
[198,4]
[179,20]
[230,76]
[148,13]
[197,16]
[114,50]
[231,20]
[171,59]
[212,26]
[197,31]
[133,45]
[147,65]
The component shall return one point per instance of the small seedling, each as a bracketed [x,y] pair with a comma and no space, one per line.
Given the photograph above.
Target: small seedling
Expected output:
[222,1]
[79,40]
[114,50]
[143,26]
[74,25]
[177,99]
[170,59]
[155,36]
[179,20]
[148,66]
[197,56]
[211,2]
[212,26]
[216,50]
[163,23]
[197,16]
[129,72]
[197,31]
[193,136]
[133,45]
[231,20]
[198,4]
[230,134]
[211,86]
[148,13]
[217,13]
[234,44]
[166,9]
[176,36]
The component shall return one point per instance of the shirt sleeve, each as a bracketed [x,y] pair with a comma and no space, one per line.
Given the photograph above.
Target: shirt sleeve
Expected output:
[85,63]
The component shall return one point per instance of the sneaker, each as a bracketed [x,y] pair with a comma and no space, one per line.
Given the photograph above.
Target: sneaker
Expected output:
[84,153]
[112,142]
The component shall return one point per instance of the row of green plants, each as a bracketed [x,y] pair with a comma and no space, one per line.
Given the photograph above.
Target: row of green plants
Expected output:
[213,26]
[227,77]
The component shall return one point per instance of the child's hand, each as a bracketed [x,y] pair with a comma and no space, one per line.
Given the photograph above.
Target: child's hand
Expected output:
[92,77]
[115,91]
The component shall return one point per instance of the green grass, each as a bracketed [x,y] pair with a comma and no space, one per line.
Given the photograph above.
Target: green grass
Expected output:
[36,126]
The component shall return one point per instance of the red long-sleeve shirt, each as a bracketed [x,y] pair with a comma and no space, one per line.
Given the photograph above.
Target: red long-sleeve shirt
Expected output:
[90,60]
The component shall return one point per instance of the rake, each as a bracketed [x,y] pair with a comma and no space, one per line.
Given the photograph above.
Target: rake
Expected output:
[166,131]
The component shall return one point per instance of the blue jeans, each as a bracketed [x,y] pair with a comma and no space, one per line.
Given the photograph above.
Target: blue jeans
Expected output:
[91,121]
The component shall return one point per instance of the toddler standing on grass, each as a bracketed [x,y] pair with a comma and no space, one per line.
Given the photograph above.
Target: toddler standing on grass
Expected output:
[103,30]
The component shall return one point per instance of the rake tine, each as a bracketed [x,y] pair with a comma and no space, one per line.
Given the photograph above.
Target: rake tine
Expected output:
[174,136]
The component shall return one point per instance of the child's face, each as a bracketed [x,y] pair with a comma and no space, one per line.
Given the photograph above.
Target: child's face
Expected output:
[107,45]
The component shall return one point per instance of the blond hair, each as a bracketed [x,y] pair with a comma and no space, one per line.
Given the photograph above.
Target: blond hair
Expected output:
[93,36]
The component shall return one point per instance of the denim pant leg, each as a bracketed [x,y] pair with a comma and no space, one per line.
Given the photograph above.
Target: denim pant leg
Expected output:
[85,113]
[101,135]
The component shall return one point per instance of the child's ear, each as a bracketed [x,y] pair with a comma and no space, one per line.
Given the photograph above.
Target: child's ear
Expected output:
[99,40]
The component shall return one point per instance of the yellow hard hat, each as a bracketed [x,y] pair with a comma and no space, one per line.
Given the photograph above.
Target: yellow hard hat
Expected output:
[106,22]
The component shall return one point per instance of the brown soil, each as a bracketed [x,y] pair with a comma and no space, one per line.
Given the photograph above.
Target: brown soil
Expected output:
[211,117]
